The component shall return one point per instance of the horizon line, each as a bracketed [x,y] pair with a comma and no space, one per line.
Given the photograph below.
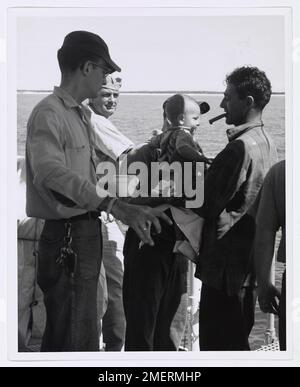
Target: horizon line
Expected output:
[147,91]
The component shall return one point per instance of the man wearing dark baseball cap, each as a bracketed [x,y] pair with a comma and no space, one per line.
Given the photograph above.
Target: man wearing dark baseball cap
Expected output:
[62,189]
[88,43]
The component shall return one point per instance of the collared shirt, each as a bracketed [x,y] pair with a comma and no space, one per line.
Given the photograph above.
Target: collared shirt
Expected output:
[236,131]
[60,171]
[231,186]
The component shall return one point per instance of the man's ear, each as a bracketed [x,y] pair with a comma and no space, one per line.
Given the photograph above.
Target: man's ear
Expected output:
[86,67]
[180,119]
[250,101]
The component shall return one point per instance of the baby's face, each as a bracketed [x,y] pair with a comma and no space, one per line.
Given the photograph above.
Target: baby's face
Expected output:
[191,115]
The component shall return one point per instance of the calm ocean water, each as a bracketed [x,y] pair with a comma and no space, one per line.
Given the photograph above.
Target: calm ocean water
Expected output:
[138,114]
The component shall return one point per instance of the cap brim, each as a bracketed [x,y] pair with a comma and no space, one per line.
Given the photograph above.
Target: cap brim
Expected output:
[112,65]
[109,88]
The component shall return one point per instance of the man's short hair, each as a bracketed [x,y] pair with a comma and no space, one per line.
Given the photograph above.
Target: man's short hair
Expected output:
[69,59]
[251,81]
[81,46]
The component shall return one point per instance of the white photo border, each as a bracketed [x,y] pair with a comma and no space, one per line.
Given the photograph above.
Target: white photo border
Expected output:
[10,140]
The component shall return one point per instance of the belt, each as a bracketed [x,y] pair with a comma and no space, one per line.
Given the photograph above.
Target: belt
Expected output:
[87,216]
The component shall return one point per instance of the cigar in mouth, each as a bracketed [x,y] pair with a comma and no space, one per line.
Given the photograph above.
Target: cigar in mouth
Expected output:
[217,118]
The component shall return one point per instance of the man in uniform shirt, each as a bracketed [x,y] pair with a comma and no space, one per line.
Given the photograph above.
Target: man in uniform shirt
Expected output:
[61,188]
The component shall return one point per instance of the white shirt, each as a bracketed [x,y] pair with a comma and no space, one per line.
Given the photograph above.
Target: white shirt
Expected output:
[108,138]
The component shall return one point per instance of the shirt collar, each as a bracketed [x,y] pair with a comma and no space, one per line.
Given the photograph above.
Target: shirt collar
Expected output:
[233,133]
[67,99]
[70,102]
[87,110]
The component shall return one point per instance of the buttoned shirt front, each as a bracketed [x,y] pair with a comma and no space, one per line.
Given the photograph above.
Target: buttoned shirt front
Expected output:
[60,167]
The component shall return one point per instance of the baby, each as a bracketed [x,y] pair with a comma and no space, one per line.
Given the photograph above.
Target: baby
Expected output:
[181,119]
[176,143]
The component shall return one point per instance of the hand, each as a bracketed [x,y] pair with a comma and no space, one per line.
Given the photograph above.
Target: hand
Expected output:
[268,298]
[140,218]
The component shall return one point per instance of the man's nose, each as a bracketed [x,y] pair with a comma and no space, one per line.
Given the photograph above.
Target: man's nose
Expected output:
[222,103]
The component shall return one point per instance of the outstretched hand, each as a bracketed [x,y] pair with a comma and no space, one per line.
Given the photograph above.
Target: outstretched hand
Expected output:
[140,218]
[268,299]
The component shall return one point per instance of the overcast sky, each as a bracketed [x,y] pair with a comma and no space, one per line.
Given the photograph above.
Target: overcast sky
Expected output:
[158,52]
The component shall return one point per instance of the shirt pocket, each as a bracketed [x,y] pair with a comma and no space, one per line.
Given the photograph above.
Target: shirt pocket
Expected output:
[78,159]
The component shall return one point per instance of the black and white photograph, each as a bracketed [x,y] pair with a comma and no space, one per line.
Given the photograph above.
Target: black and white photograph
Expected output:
[150,202]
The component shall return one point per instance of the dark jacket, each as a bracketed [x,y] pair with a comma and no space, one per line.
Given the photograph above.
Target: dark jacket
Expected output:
[231,186]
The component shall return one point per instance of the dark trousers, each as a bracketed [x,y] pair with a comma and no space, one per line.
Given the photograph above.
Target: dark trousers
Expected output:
[71,304]
[154,293]
[225,322]
[282,315]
